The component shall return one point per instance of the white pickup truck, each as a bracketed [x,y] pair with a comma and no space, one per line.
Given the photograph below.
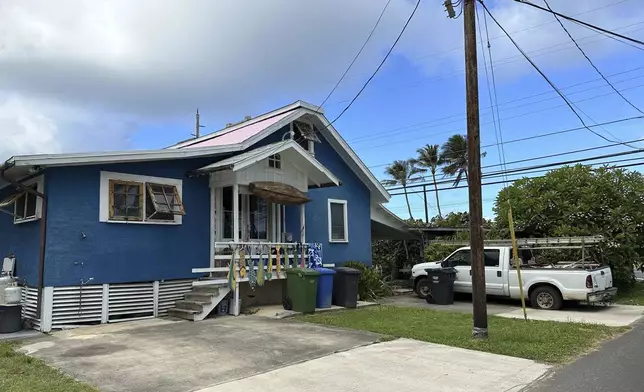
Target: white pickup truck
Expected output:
[545,288]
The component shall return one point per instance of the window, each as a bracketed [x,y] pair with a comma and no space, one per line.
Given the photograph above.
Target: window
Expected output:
[27,207]
[460,258]
[253,216]
[258,214]
[127,198]
[491,258]
[227,207]
[275,161]
[338,222]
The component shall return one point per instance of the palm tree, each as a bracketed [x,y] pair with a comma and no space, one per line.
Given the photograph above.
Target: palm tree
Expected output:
[454,157]
[429,158]
[401,173]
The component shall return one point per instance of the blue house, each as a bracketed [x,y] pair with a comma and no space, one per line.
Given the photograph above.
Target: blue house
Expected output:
[111,236]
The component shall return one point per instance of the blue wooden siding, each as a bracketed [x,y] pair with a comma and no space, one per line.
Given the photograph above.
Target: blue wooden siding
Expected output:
[81,247]
[23,240]
[357,195]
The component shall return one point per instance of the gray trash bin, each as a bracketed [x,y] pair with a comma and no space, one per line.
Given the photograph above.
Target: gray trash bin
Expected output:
[10,318]
[441,285]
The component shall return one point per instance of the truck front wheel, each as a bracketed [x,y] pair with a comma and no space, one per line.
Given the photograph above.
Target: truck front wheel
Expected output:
[546,297]
[422,288]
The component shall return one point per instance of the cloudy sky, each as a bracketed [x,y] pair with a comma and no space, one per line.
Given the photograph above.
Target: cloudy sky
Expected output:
[105,75]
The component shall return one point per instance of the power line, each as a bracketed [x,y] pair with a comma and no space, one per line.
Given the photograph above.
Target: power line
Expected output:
[590,61]
[372,75]
[512,180]
[413,12]
[580,22]
[521,169]
[534,65]
[434,54]
[459,117]
[511,59]
[357,55]
[496,117]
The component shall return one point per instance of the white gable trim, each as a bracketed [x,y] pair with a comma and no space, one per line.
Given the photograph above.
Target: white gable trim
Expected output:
[265,116]
[339,144]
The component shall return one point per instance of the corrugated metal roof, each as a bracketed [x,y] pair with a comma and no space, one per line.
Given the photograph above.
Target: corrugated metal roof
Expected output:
[238,135]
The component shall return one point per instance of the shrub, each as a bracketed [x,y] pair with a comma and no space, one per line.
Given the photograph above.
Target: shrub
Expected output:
[371,285]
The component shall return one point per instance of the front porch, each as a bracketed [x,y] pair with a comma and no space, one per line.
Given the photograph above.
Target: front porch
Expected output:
[258,223]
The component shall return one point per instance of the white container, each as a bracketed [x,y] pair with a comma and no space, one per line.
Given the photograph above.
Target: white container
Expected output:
[13,295]
[5,281]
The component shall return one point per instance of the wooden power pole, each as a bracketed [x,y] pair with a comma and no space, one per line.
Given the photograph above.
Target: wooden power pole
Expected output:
[474,171]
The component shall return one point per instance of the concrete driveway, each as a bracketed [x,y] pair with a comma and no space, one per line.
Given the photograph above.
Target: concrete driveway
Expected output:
[257,353]
[613,315]
[173,356]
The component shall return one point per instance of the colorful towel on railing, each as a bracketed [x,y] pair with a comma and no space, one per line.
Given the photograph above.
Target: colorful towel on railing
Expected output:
[315,255]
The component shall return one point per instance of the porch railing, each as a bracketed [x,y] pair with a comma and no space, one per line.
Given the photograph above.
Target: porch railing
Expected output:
[256,254]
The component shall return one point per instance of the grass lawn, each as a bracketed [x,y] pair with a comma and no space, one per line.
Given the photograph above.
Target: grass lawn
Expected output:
[21,373]
[544,341]
[633,297]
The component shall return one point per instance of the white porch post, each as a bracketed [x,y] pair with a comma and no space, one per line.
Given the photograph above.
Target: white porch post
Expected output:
[46,309]
[213,223]
[302,223]
[236,304]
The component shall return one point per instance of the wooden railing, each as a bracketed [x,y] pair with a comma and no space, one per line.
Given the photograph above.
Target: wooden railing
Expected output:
[291,255]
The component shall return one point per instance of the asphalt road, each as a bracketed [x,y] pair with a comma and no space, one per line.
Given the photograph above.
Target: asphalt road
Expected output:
[616,366]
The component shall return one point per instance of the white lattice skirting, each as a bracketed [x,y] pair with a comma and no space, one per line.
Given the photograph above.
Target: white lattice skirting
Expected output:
[107,303]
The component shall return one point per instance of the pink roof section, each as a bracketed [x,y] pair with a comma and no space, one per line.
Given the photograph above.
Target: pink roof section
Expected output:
[239,135]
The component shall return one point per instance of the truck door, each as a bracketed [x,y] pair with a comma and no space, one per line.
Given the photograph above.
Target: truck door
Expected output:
[461,261]
[493,272]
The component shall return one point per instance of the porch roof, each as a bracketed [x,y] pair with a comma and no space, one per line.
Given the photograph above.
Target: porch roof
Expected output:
[289,150]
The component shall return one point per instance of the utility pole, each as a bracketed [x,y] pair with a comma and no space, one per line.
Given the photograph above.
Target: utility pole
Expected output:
[474,172]
[425,201]
[197,126]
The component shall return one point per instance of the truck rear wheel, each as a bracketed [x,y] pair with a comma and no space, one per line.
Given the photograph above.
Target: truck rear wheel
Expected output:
[547,298]
[422,288]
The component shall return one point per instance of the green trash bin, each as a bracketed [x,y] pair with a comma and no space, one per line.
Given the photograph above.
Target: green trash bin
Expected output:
[301,289]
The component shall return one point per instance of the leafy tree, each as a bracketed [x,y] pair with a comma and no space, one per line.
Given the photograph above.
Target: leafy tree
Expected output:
[580,200]
[401,173]
[454,157]
[430,159]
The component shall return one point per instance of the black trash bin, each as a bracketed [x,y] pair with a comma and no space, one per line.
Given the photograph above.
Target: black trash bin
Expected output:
[345,287]
[441,285]
[10,318]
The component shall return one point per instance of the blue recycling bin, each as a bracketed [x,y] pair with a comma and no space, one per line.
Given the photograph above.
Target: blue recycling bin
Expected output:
[325,288]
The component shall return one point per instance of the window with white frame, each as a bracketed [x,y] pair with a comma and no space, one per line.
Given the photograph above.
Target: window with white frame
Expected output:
[27,206]
[275,161]
[127,198]
[254,216]
[338,221]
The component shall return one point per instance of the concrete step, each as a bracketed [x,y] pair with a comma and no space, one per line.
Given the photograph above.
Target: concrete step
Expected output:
[187,314]
[212,290]
[198,296]
[189,304]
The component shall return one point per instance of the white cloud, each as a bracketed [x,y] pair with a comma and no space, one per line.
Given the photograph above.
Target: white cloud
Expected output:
[72,67]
